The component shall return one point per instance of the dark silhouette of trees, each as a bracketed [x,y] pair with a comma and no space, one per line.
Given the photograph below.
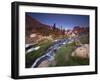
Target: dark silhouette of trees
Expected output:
[58,30]
[63,31]
[54,26]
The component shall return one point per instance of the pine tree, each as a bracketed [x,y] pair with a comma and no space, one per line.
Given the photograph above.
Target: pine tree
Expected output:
[54,27]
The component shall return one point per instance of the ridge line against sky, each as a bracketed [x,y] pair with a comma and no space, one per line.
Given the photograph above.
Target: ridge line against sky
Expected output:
[66,21]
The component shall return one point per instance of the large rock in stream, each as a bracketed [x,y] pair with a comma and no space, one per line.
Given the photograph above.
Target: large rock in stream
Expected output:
[82,51]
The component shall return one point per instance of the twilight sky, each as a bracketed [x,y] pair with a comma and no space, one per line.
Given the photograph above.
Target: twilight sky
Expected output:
[67,21]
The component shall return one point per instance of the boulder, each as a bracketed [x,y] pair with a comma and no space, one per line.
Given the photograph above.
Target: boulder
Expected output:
[44,64]
[82,51]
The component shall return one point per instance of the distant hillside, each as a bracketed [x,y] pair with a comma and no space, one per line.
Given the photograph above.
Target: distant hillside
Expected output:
[81,30]
[34,26]
[39,30]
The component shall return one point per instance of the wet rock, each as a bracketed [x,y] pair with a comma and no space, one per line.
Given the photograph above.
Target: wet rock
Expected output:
[45,63]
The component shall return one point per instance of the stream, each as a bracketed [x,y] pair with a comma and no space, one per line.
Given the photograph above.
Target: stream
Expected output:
[49,54]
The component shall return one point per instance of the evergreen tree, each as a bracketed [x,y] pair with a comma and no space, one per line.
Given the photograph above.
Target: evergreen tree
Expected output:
[54,27]
[63,31]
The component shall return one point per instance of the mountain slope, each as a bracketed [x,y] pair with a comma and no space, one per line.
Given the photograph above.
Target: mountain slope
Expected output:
[34,26]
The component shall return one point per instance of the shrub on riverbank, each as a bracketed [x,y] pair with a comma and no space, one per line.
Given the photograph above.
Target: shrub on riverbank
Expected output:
[84,39]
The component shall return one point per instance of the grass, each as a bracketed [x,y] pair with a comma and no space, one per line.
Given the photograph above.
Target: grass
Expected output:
[32,56]
[63,57]
[60,57]
[77,61]
[84,39]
